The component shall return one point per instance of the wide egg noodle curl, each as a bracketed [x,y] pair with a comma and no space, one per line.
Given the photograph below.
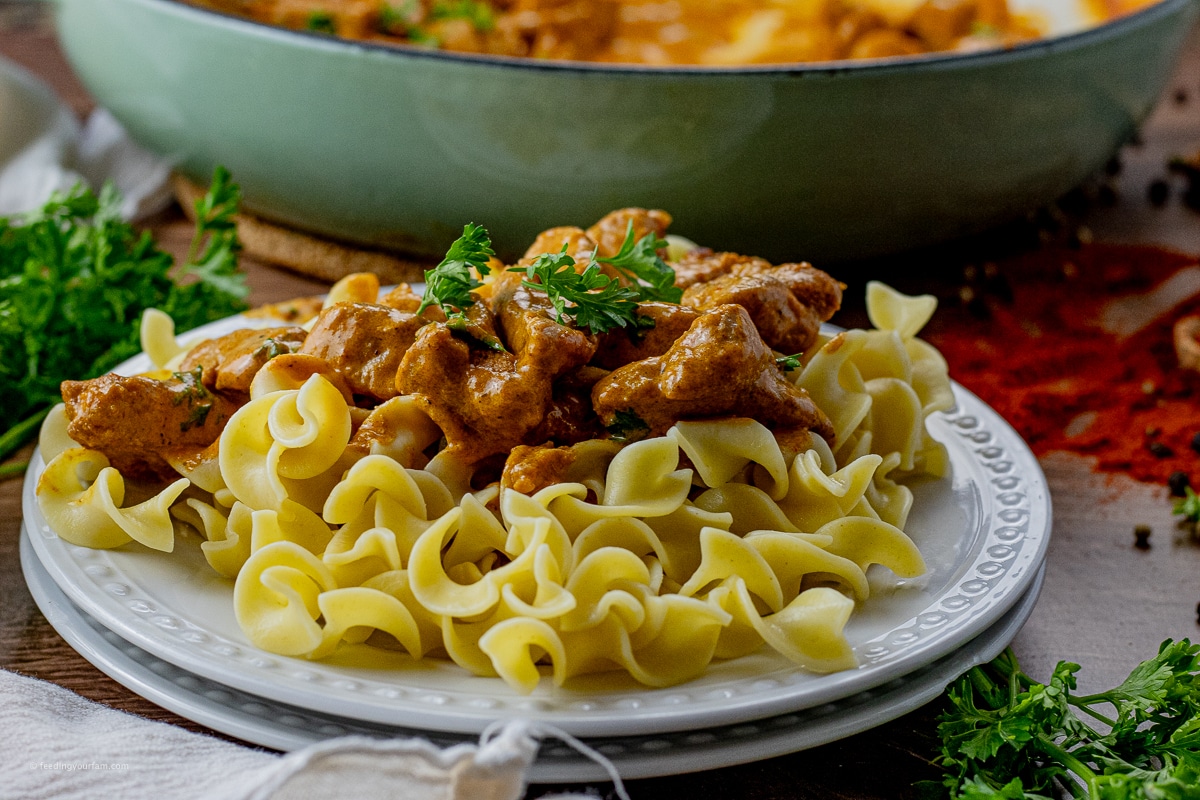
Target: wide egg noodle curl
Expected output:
[721,451]
[53,438]
[879,386]
[598,601]
[286,445]
[81,495]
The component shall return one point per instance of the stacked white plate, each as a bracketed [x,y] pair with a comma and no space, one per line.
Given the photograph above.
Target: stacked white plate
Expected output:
[163,625]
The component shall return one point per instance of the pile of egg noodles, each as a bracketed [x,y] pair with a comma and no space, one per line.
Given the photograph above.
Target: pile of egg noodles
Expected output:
[633,563]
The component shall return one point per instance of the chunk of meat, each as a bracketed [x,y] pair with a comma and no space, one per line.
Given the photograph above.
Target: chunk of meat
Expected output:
[230,362]
[531,469]
[403,298]
[569,417]
[579,245]
[364,342]
[788,303]
[719,368]
[526,322]
[702,264]
[298,311]
[609,232]
[621,346]
[815,288]
[487,402]
[784,322]
[483,400]
[136,421]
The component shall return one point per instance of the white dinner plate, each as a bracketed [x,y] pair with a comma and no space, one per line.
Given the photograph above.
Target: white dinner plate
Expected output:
[983,532]
[270,724]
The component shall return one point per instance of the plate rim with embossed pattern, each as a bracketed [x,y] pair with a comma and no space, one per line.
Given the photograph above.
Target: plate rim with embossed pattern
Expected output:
[270,724]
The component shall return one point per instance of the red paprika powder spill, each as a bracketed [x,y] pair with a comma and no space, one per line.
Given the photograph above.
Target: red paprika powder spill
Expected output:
[1040,356]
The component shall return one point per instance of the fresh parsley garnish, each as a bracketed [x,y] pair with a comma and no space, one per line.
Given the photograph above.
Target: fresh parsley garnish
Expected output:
[789,363]
[479,14]
[272,348]
[1189,506]
[449,284]
[1008,736]
[590,299]
[197,397]
[75,279]
[627,426]
[320,22]
[639,263]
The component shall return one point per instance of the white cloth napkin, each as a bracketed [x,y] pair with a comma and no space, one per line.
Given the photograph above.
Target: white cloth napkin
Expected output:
[61,746]
[44,149]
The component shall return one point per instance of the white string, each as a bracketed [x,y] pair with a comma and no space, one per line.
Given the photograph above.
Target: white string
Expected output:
[541,730]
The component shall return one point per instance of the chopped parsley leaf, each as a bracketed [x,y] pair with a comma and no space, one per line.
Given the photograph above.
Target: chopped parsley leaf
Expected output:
[480,15]
[320,22]
[789,363]
[590,298]
[639,263]
[627,426]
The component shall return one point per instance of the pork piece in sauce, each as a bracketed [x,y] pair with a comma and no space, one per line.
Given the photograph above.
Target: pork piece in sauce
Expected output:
[604,239]
[403,298]
[702,264]
[788,303]
[230,362]
[364,342]
[137,421]
[579,245]
[720,367]
[620,346]
[530,469]
[609,232]
[526,321]
[487,401]
[569,416]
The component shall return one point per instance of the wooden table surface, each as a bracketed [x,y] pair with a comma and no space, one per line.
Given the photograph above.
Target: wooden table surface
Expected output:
[1105,604]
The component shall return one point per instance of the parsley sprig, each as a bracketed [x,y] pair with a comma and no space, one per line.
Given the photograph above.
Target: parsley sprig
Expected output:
[450,283]
[1189,506]
[627,426]
[590,299]
[1007,736]
[75,279]
[639,263]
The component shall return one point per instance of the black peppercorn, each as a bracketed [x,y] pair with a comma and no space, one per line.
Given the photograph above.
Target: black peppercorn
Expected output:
[1196,442]
[1158,192]
[1141,537]
[1160,450]
[1178,483]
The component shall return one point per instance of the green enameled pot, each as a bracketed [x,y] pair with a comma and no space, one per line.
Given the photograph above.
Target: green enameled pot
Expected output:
[400,147]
